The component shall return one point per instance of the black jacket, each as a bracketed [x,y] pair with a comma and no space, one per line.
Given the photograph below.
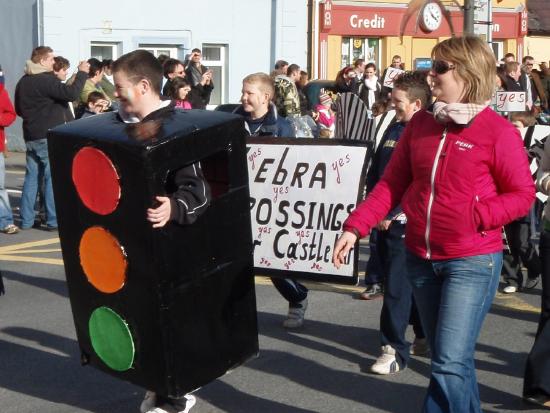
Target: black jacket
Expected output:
[42,101]
[187,188]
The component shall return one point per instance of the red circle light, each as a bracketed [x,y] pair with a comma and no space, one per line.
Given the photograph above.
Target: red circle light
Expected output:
[96,180]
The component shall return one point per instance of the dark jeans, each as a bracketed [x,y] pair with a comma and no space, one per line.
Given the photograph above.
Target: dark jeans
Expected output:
[397,307]
[537,370]
[373,271]
[453,298]
[522,251]
[291,290]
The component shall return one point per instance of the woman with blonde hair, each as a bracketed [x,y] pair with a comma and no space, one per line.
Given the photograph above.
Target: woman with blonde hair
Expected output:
[460,173]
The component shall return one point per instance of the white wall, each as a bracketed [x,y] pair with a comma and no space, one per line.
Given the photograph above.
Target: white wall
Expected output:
[257,31]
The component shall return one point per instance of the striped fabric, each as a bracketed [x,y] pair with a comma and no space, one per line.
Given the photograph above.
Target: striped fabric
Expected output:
[534,138]
[352,118]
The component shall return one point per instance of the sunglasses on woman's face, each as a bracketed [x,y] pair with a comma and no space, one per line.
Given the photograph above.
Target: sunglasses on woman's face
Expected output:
[441,67]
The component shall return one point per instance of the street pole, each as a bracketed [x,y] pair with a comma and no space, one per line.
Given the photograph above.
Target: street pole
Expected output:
[468,17]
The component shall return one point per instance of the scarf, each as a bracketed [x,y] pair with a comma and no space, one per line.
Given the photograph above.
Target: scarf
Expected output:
[372,85]
[459,113]
[196,73]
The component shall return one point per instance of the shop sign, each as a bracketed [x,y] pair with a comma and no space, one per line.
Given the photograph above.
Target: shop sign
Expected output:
[327,15]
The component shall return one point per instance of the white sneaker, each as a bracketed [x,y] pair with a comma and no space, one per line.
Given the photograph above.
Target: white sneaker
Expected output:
[296,315]
[182,405]
[419,347]
[148,402]
[510,289]
[386,363]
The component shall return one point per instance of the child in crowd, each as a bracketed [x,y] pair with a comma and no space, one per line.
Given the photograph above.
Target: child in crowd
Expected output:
[325,116]
[95,104]
[410,94]
[178,91]
[521,250]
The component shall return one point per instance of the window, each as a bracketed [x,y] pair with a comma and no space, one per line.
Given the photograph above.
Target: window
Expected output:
[215,57]
[498,48]
[158,49]
[354,48]
[105,50]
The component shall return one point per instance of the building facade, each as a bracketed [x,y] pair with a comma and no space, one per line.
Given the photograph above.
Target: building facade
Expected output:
[376,30]
[237,37]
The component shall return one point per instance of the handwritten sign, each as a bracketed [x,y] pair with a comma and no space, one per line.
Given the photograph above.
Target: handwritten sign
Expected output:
[391,74]
[510,101]
[300,194]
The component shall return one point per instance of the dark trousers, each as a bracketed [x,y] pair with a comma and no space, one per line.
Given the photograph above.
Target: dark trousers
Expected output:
[398,308]
[291,290]
[537,370]
[522,251]
[373,272]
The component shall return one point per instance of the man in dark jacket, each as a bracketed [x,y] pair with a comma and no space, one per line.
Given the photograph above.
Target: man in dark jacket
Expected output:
[201,81]
[42,101]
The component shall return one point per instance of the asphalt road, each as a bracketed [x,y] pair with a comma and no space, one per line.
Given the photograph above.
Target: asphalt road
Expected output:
[322,367]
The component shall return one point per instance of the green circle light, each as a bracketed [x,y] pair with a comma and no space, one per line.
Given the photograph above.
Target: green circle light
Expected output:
[111,339]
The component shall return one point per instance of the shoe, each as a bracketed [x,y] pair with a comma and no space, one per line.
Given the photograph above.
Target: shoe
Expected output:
[10,229]
[386,363]
[182,405]
[419,347]
[372,292]
[510,289]
[296,315]
[148,402]
[539,399]
[51,229]
[531,283]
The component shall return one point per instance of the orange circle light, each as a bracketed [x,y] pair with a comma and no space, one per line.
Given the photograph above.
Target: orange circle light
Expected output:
[103,260]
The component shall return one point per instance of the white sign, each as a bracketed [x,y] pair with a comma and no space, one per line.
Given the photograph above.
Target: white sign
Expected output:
[300,196]
[391,75]
[510,101]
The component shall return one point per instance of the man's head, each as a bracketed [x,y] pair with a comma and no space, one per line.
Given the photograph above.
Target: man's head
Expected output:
[293,72]
[60,67]
[196,56]
[304,79]
[173,68]
[138,80]
[43,55]
[410,93]
[522,119]
[509,57]
[396,62]
[359,66]
[528,63]
[513,69]
[96,70]
[257,92]
[107,66]
[281,67]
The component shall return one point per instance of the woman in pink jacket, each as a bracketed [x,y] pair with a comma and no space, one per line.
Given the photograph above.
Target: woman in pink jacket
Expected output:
[460,173]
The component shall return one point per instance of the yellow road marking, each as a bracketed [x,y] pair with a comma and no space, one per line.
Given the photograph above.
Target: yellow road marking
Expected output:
[11,253]
[52,261]
[25,245]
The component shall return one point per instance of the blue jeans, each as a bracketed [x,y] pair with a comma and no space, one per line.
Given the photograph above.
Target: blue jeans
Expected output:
[453,296]
[6,217]
[397,308]
[38,165]
[291,290]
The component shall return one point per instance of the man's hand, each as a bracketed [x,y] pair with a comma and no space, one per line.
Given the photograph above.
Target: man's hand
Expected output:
[384,225]
[161,215]
[84,66]
[343,245]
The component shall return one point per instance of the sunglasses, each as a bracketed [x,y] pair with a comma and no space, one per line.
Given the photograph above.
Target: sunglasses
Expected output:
[441,67]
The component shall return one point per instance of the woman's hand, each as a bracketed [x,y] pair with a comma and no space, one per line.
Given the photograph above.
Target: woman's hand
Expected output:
[343,245]
[161,215]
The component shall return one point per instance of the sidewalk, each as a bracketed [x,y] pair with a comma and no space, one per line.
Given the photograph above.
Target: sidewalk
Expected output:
[15,160]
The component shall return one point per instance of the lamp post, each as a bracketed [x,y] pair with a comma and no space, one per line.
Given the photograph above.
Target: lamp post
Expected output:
[468,17]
